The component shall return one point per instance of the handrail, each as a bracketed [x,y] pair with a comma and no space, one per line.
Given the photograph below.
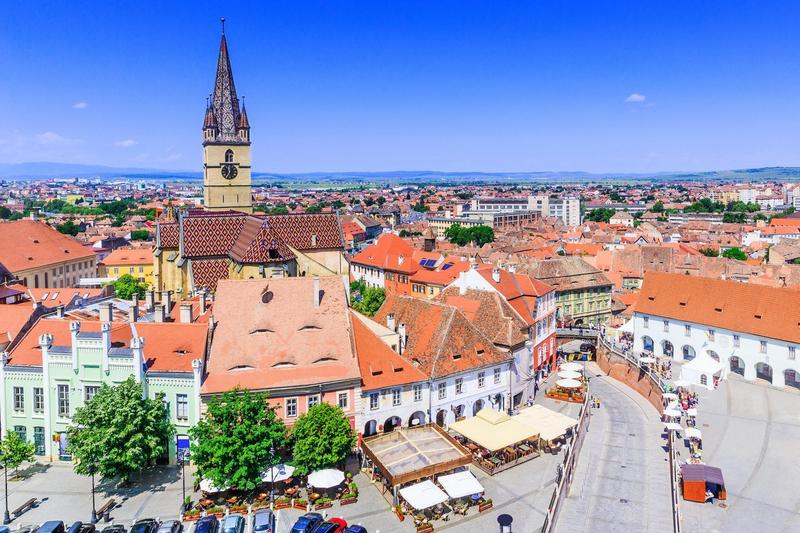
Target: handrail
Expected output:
[630,358]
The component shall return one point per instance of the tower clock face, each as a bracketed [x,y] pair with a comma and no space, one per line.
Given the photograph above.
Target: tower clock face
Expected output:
[229,171]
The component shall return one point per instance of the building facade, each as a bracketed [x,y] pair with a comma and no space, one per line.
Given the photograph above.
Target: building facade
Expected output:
[138,262]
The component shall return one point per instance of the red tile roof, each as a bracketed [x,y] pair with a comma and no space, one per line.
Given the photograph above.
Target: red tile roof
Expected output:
[28,244]
[391,253]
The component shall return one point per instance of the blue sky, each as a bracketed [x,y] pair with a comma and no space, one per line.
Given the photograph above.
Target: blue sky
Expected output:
[380,85]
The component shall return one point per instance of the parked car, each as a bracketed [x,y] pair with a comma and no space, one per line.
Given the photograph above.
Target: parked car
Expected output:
[356,529]
[116,528]
[307,523]
[87,528]
[28,528]
[52,526]
[207,524]
[146,525]
[261,521]
[169,526]
[334,525]
[233,523]
[75,527]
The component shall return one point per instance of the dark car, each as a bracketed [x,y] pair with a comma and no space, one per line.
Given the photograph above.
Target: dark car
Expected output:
[116,528]
[356,529]
[75,527]
[261,521]
[207,524]
[307,523]
[147,525]
[52,526]
[233,523]
[170,526]
[331,526]
[87,528]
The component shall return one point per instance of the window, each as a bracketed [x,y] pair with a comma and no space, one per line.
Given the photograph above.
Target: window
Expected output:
[22,431]
[313,400]
[646,322]
[459,385]
[763,346]
[38,440]
[342,400]
[711,334]
[791,353]
[736,341]
[417,393]
[703,379]
[395,396]
[666,326]
[481,379]
[687,330]
[38,400]
[63,401]
[89,391]
[374,401]
[229,156]
[19,399]
[442,387]
[291,407]
[182,406]
[496,376]
[141,269]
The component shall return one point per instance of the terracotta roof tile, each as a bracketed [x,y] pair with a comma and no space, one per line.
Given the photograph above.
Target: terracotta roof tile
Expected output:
[27,244]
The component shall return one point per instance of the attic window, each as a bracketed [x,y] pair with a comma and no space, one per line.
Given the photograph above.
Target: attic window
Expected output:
[718,309]
[398,369]
[758,316]
[181,351]
[480,352]
[309,328]
[35,241]
[260,331]
[377,372]
[266,297]
[283,364]
[456,356]
[240,367]
[325,360]
[651,298]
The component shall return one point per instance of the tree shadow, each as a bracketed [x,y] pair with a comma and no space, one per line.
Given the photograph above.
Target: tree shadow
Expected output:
[152,480]
[31,470]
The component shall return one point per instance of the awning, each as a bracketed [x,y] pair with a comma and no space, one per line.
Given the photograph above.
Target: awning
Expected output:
[696,472]
[627,327]
[423,495]
[693,433]
[672,413]
[572,367]
[672,426]
[493,430]
[568,383]
[460,484]
[548,424]
[207,486]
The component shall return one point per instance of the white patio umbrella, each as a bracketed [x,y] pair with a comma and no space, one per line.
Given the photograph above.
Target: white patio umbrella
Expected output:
[280,473]
[691,412]
[568,383]
[569,374]
[674,405]
[647,359]
[669,396]
[572,367]
[207,486]
[693,433]
[672,413]
[326,478]
[672,426]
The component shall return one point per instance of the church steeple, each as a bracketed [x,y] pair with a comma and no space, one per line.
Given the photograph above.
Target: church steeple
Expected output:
[224,102]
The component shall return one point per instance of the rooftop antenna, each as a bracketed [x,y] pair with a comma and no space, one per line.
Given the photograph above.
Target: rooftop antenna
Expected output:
[222,20]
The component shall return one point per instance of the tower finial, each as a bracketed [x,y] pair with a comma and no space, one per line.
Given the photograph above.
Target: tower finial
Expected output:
[222,20]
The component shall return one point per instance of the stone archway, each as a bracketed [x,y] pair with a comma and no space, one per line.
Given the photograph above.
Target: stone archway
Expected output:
[417,418]
[370,428]
[391,423]
[791,378]
[647,344]
[667,349]
[764,371]
[688,352]
[737,365]
[459,411]
[441,417]
[477,406]
[713,355]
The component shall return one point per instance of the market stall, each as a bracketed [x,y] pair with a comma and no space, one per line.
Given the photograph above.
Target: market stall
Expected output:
[702,482]
[703,370]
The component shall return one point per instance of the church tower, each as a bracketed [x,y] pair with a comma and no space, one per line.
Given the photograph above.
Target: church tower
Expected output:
[226,143]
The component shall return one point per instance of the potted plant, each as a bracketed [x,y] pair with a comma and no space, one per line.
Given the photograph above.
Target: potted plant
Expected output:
[323,503]
[217,511]
[191,515]
[485,504]
[187,503]
[238,508]
[425,528]
[300,505]
[282,503]
[398,510]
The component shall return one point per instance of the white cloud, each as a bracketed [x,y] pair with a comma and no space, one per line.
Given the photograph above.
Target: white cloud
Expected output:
[80,105]
[636,98]
[126,143]
[52,138]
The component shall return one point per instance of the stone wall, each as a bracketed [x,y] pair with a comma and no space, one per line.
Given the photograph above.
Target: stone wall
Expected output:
[620,369]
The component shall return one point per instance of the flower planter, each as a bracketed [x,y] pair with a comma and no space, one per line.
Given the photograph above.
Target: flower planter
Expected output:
[485,506]
[300,505]
[326,505]
[190,517]
[348,501]
[283,504]
[427,528]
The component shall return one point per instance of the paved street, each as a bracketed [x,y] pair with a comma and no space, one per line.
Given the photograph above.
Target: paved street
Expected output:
[751,431]
[622,479]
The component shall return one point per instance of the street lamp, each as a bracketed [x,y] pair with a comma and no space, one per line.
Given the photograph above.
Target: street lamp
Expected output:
[183,456]
[272,487]
[94,507]
[7,515]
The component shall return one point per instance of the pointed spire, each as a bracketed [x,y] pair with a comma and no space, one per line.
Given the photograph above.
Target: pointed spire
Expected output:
[243,122]
[210,120]
[224,102]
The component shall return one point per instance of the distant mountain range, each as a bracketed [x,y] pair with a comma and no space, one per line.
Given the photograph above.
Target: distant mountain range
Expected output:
[35,170]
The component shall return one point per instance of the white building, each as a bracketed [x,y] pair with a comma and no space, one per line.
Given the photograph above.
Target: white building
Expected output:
[751,330]
[568,209]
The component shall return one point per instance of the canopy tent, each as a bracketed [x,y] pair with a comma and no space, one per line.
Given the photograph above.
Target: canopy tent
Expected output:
[568,383]
[672,413]
[681,383]
[460,484]
[547,423]
[408,454]
[693,433]
[672,426]
[277,473]
[423,495]
[493,430]
[692,411]
[207,486]
[674,405]
[569,374]
[701,370]
[326,478]
[647,359]
[572,367]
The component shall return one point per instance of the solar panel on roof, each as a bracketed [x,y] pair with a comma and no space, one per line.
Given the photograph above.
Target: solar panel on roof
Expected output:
[446,266]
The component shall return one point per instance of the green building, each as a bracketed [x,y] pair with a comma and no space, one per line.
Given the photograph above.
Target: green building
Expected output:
[61,362]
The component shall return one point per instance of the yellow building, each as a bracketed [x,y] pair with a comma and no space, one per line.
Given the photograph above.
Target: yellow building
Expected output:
[138,262]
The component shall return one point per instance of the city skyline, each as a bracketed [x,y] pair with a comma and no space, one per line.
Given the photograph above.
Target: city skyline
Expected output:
[449,87]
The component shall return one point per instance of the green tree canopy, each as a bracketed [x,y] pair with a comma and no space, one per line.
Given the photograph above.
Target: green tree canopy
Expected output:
[734,218]
[366,300]
[709,252]
[420,207]
[69,228]
[735,253]
[460,235]
[600,214]
[705,205]
[658,207]
[118,433]
[126,286]
[231,444]
[140,235]
[322,438]
[15,451]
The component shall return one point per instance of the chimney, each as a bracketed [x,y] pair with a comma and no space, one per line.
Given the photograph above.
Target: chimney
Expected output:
[60,311]
[160,314]
[496,275]
[45,342]
[133,310]
[165,301]
[390,321]
[203,307]
[105,332]
[137,349]
[512,268]
[315,285]
[149,301]
[106,312]
[402,332]
[186,313]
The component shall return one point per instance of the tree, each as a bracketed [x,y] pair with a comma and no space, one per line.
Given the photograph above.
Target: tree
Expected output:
[709,252]
[313,209]
[480,235]
[600,214]
[734,218]
[69,228]
[366,300]
[735,253]
[118,432]
[381,200]
[15,451]
[126,286]
[658,207]
[419,207]
[322,438]
[231,444]
[140,235]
